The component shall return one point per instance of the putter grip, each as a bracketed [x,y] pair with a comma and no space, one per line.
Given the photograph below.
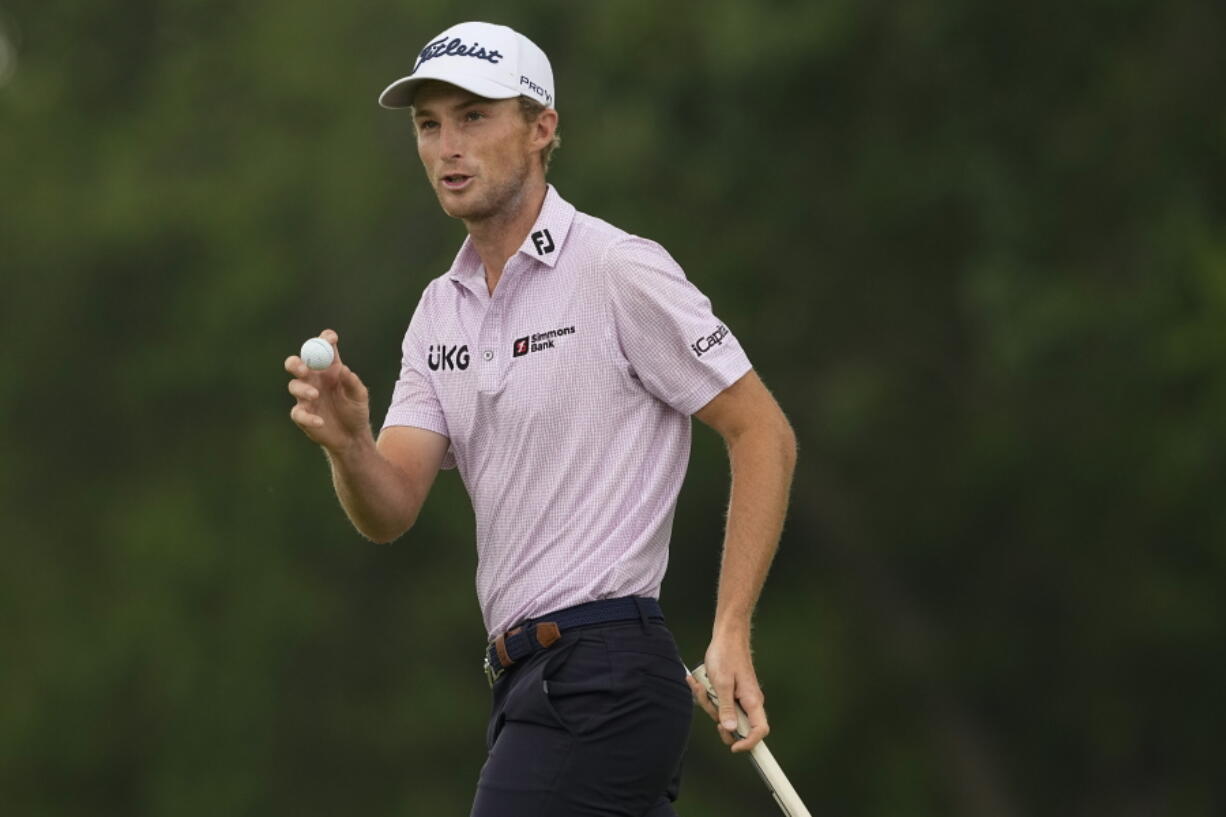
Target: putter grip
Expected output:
[768,768]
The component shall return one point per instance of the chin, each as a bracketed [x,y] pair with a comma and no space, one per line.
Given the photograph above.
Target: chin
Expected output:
[452,205]
[467,208]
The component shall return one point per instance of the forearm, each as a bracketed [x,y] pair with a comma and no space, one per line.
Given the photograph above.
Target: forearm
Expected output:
[375,493]
[763,458]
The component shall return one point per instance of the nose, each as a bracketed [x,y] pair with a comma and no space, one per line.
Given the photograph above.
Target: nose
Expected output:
[451,142]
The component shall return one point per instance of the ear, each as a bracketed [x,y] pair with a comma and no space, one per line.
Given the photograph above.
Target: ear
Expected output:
[544,128]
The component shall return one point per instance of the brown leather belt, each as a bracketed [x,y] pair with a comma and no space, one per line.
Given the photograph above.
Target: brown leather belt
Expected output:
[542,632]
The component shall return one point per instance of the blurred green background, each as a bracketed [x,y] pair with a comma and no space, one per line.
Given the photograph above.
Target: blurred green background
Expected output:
[976,249]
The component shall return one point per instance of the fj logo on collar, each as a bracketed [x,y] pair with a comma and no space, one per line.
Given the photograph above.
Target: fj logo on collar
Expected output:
[543,242]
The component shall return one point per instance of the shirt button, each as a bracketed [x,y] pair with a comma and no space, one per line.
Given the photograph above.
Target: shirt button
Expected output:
[488,354]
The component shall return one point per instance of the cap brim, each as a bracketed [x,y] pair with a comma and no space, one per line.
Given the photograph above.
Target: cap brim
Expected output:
[401,92]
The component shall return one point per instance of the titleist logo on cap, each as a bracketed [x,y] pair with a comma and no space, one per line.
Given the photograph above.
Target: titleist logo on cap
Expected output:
[482,58]
[442,47]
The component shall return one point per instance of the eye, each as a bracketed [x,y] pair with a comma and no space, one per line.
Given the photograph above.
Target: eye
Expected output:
[473,116]
[427,124]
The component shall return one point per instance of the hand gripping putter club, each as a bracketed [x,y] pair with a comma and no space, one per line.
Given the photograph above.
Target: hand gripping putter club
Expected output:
[761,757]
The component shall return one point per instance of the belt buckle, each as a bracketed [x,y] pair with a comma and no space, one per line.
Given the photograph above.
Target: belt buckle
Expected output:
[492,673]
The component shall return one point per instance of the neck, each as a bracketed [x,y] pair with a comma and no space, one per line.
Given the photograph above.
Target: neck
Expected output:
[498,237]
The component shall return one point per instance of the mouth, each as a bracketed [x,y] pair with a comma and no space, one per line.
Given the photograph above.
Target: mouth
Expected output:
[455,181]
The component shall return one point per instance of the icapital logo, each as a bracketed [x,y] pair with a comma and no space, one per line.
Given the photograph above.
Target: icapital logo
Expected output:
[709,342]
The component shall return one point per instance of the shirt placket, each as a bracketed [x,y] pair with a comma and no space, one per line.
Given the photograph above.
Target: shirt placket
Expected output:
[491,342]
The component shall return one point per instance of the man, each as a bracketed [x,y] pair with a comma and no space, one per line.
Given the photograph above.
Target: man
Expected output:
[556,365]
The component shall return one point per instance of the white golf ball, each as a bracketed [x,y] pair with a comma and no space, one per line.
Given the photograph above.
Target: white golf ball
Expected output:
[317,354]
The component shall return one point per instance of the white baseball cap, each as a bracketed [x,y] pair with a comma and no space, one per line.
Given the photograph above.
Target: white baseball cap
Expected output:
[492,61]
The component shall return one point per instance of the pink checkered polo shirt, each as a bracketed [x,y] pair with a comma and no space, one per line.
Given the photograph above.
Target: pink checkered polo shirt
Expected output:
[567,398]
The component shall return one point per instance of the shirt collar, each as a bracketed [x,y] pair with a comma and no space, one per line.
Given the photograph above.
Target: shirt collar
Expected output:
[548,234]
[544,242]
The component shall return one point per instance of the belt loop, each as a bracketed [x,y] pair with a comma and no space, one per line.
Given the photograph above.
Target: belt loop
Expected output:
[641,605]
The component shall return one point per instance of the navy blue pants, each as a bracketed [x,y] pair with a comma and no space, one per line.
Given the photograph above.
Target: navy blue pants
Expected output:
[595,725]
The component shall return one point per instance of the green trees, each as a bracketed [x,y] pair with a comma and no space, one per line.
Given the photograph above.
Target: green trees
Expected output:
[976,250]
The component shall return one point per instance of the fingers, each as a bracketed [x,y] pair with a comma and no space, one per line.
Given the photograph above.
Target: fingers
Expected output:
[334,339]
[334,397]
[752,702]
[725,690]
[353,386]
[704,702]
[305,387]
[740,710]
[303,390]
[304,418]
[700,697]
[296,366]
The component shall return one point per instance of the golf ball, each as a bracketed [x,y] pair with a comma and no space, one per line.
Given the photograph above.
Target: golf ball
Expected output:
[317,354]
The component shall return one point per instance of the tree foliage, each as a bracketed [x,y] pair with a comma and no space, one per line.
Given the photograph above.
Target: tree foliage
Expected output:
[976,250]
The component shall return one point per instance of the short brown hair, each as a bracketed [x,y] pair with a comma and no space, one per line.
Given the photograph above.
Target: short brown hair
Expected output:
[531,110]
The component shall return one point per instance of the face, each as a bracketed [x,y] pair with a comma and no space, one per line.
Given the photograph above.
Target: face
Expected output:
[478,153]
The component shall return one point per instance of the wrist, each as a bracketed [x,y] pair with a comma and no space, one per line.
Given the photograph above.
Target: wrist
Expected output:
[731,626]
[351,448]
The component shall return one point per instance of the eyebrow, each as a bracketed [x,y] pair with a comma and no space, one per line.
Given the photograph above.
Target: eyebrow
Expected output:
[477,100]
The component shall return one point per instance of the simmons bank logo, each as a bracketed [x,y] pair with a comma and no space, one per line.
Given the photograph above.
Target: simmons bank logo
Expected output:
[539,341]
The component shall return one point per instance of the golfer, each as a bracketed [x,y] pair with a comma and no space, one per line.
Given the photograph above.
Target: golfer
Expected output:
[557,364]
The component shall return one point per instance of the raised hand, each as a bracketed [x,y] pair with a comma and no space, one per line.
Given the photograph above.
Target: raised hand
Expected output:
[333,407]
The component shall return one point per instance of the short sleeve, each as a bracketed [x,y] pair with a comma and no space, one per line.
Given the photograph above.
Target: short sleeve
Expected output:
[414,400]
[675,345]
